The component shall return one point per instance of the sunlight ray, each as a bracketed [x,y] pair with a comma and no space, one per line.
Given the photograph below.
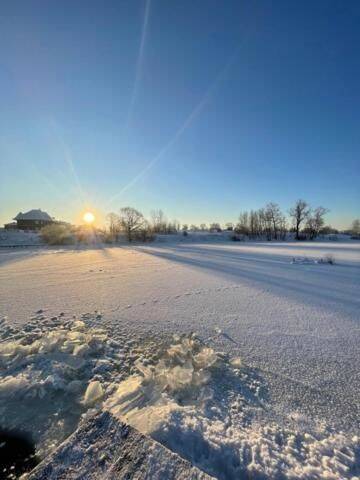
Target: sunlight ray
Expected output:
[188,121]
[67,155]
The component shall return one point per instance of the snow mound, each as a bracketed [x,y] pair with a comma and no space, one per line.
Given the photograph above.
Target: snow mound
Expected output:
[45,373]
[328,258]
[211,410]
[13,238]
[146,400]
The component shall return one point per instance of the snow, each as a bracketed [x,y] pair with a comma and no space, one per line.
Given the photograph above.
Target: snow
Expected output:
[89,454]
[36,214]
[18,238]
[278,349]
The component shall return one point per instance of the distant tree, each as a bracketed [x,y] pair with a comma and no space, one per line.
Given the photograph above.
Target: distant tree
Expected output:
[203,227]
[299,213]
[229,226]
[131,221]
[243,224]
[315,221]
[328,230]
[274,219]
[262,221]
[159,222]
[283,227]
[194,228]
[215,227]
[185,227]
[254,226]
[355,228]
[114,224]
[176,225]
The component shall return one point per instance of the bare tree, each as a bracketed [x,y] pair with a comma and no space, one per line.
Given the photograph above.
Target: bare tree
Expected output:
[131,221]
[203,227]
[114,224]
[215,227]
[254,226]
[159,222]
[315,221]
[274,219]
[299,213]
[355,228]
[243,224]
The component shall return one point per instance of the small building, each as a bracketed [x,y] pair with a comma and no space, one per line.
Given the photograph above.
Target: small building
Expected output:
[33,220]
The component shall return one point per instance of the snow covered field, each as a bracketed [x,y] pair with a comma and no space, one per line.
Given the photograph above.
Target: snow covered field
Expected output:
[290,410]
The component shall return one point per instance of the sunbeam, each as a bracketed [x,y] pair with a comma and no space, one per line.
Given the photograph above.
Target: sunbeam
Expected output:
[193,114]
[67,155]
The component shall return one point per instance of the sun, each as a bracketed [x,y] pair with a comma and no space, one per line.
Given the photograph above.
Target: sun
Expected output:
[89,218]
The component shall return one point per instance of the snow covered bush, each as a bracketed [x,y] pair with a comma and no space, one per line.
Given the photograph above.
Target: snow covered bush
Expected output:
[57,234]
[328,258]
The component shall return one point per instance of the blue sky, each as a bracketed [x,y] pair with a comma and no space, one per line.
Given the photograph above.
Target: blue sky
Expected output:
[201,108]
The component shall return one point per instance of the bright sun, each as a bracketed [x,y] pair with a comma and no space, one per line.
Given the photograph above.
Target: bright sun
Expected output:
[88,217]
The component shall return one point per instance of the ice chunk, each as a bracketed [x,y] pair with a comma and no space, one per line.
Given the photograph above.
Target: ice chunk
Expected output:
[235,362]
[94,393]
[205,358]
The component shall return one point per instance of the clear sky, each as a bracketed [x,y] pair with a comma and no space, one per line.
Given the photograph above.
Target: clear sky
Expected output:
[201,108]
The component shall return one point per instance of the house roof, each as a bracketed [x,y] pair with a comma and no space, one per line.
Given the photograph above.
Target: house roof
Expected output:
[33,215]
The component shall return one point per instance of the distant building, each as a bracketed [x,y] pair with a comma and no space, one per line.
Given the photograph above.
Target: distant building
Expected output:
[32,220]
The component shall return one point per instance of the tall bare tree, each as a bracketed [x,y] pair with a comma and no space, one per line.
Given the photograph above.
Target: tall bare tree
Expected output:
[274,219]
[243,224]
[159,222]
[299,213]
[315,221]
[114,224]
[355,228]
[131,221]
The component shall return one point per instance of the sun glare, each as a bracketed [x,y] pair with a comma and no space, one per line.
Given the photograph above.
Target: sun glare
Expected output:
[89,218]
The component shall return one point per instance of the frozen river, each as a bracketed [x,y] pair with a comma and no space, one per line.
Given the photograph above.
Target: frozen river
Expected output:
[294,323]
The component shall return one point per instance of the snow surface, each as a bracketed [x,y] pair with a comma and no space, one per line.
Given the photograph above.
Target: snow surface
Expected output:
[19,238]
[281,401]
[88,454]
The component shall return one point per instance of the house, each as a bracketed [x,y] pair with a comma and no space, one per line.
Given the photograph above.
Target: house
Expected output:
[32,220]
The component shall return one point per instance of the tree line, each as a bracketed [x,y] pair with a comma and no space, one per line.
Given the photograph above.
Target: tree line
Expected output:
[269,223]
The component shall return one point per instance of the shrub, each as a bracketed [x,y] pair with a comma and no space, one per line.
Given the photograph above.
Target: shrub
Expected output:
[328,258]
[57,234]
[144,235]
